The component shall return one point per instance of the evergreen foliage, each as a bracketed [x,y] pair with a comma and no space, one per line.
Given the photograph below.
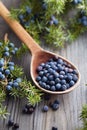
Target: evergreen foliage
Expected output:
[12,81]
[50,20]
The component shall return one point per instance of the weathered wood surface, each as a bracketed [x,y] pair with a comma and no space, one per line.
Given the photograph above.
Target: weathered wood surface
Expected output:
[67,117]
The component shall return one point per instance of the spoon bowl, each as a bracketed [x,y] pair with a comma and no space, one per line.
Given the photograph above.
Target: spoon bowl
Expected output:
[39,55]
[43,56]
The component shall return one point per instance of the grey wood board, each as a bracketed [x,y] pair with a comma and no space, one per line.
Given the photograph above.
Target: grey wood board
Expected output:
[67,117]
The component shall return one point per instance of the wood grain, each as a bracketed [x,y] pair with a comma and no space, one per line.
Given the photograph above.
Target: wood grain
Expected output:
[67,117]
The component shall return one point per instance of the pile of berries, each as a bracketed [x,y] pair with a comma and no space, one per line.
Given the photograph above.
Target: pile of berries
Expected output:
[26,18]
[13,84]
[6,66]
[53,21]
[54,106]
[29,109]
[82,18]
[8,49]
[5,73]
[77,1]
[14,126]
[56,75]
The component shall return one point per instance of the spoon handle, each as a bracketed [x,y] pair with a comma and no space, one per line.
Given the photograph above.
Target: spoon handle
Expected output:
[19,30]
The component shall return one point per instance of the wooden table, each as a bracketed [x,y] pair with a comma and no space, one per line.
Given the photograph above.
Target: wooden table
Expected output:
[67,117]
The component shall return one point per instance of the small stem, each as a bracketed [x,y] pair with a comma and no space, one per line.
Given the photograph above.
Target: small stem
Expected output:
[6,38]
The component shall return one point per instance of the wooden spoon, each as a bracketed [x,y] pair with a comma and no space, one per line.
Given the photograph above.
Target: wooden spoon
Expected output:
[39,55]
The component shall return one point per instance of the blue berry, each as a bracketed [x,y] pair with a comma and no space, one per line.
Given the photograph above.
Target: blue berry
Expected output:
[11,63]
[71,83]
[67,85]
[70,70]
[1,43]
[51,22]
[84,18]
[27,23]
[10,83]
[63,81]
[25,110]
[57,80]
[61,76]
[54,128]
[62,72]
[50,77]
[77,1]
[54,67]
[39,68]
[1,69]
[28,10]
[64,87]
[48,87]
[21,17]
[45,72]
[6,54]
[75,71]
[10,123]
[84,22]
[8,87]
[55,106]
[1,63]
[47,66]
[13,52]
[44,79]
[16,126]
[30,106]
[57,101]
[51,71]
[53,17]
[52,88]
[75,78]
[58,86]
[60,61]
[6,49]
[15,49]
[42,64]
[38,78]
[11,45]
[31,110]
[19,80]
[47,75]
[43,85]
[3,76]
[11,68]
[40,83]
[7,71]
[56,75]
[52,82]
[55,22]
[60,68]
[45,108]
[0,75]
[69,77]
[15,84]
[66,69]
[44,6]
[41,73]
